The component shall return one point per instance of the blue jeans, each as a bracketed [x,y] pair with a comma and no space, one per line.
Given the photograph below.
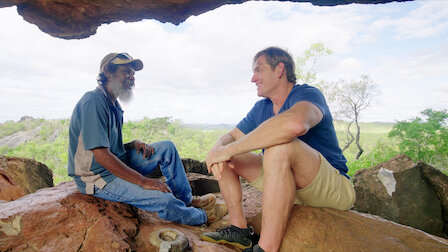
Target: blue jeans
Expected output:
[169,206]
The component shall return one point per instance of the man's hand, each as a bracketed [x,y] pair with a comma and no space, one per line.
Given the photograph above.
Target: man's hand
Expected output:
[112,163]
[217,157]
[140,146]
[217,169]
[154,184]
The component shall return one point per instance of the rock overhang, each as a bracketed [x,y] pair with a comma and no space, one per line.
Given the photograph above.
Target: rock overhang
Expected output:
[78,19]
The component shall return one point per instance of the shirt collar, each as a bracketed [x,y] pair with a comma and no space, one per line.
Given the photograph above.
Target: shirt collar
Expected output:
[106,94]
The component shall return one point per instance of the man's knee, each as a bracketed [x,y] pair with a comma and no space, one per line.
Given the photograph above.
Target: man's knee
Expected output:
[247,165]
[278,153]
[296,153]
[167,144]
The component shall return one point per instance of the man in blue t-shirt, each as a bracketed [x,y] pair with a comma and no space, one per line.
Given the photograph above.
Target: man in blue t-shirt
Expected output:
[103,166]
[301,162]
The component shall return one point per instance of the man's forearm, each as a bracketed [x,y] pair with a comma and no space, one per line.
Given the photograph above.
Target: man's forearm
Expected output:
[225,140]
[104,157]
[277,130]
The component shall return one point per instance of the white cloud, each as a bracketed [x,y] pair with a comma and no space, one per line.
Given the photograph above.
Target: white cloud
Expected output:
[200,70]
[430,19]
[335,69]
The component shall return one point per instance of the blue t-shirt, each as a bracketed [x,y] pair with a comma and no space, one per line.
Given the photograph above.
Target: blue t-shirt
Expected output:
[321,137]
[95,122]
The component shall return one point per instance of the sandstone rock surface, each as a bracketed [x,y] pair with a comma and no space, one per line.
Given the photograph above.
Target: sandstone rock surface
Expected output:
[62,219]
[439,183]
[21,176]
[75,19]
[399,190]
[191,165]
[325,229]
[202,184]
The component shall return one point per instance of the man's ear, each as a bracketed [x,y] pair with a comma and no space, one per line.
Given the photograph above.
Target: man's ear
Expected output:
[280,69]
[107,73]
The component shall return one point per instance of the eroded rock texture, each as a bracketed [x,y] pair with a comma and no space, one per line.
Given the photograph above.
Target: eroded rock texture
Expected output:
[76,19]
[62,219]
[404,192]
[202,184]
[439,183]
[21,176]
[191,165]
[325,229]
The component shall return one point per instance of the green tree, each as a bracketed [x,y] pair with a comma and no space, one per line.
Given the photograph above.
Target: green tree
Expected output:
[347,98]
[307,62]
[350,98]
[426,138]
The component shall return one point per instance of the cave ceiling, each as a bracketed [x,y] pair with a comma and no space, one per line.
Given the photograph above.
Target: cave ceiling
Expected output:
[77,19]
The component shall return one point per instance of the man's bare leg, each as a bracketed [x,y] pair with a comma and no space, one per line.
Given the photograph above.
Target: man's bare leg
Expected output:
[287,167]
[247,166]
[238,234]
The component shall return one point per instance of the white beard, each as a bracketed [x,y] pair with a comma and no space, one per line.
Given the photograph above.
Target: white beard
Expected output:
[118,90]
[126,95]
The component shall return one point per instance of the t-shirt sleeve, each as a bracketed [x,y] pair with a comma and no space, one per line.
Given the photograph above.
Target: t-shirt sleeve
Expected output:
[248,123]
[94,125]
[312,95]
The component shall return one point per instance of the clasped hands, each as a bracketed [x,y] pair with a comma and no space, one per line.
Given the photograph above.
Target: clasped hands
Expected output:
[217,157]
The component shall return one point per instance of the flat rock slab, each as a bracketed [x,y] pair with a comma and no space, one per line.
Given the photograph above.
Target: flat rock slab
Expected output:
[325,229]
[62,219]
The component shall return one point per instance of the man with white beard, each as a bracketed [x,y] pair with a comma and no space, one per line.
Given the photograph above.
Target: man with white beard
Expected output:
[103,166]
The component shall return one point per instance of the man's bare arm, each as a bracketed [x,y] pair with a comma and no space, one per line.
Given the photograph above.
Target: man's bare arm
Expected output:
[229,137]
[104,157]
[279,129]
[216,168]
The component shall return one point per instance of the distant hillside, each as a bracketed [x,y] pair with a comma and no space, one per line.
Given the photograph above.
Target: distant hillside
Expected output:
[208,126]
[371,127]
[28,129]
[47,140]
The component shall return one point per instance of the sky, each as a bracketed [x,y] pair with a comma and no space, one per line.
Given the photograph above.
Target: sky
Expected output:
[200,70]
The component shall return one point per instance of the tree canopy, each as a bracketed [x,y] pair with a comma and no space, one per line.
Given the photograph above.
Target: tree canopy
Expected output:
[306,64]
[424,138]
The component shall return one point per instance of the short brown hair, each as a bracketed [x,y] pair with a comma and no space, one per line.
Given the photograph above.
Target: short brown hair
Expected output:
[275,55]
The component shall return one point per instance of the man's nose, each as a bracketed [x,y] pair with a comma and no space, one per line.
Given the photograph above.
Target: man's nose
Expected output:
[254,78]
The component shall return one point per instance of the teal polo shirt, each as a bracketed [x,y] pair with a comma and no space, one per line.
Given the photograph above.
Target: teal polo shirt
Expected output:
[95,122]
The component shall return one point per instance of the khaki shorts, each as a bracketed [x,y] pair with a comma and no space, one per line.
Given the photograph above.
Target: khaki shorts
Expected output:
[328,189]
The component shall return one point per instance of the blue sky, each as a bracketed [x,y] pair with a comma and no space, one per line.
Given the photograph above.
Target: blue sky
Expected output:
[200,71]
